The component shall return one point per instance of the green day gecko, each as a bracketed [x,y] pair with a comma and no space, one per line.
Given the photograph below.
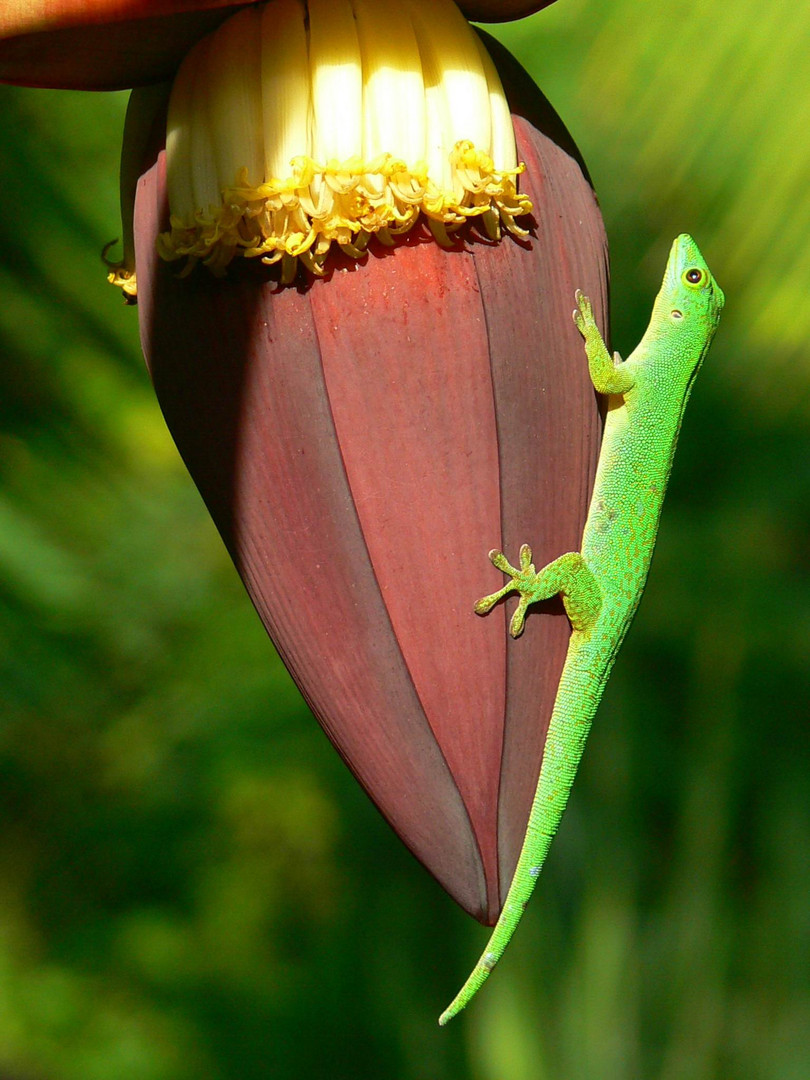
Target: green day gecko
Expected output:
[602,584]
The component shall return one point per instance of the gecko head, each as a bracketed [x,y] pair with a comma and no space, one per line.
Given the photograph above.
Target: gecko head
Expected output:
[690,297]
[685,316]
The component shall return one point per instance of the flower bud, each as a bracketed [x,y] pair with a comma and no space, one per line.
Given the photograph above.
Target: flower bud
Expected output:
[362,440]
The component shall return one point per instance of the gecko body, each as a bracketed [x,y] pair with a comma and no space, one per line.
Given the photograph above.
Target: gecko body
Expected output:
[601,584]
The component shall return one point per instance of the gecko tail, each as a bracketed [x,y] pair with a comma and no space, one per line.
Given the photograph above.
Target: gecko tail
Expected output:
[476,980]
[565,740]
[515,905]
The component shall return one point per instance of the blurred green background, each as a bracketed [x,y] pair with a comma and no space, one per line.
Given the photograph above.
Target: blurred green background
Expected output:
[191,885]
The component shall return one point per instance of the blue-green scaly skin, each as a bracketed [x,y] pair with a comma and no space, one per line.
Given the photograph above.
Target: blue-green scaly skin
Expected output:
[602,584]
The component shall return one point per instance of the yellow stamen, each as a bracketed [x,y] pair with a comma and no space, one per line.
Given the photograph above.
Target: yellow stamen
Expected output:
[121,275]
[304,123]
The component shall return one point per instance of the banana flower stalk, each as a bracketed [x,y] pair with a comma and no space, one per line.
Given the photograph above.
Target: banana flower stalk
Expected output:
[355,230]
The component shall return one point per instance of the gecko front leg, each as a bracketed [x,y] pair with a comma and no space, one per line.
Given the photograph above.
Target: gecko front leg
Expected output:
[609,374]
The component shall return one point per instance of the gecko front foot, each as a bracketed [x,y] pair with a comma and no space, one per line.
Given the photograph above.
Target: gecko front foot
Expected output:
[603,367]
[583,316]
[524,581]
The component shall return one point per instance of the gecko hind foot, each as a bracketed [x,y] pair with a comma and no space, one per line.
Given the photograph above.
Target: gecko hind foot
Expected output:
[523,581]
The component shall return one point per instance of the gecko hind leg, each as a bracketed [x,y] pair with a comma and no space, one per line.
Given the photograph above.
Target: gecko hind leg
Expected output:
[568,575]
[520,578]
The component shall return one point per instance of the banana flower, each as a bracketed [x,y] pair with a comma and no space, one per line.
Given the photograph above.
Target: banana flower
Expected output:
[355,230]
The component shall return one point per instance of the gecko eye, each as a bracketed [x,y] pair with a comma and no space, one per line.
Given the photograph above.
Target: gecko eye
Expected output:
[693,276]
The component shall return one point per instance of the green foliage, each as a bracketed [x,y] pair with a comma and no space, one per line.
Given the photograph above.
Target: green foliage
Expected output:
[190,882]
